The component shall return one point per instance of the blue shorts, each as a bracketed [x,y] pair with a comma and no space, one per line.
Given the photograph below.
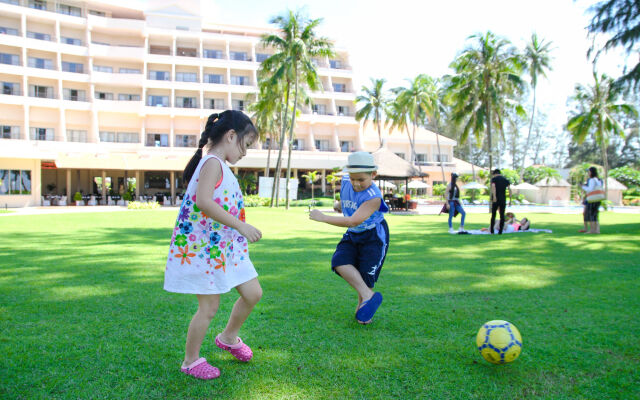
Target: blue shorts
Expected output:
[365,251]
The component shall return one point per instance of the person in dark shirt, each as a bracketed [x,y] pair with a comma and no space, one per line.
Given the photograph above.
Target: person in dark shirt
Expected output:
[499,186]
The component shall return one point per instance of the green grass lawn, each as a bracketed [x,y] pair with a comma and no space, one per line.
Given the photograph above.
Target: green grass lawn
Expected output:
[83,314]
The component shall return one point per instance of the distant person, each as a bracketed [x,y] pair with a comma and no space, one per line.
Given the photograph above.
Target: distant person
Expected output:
[361,252]
[208,254]
[594,184]
[452,194]
[499,186]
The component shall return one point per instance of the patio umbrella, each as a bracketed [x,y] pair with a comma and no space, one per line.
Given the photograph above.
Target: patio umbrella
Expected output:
[474,185]
[416,185]
[386,184]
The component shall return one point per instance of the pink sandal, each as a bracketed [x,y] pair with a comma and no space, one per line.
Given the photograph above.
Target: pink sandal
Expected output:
[239,350]
[201,369]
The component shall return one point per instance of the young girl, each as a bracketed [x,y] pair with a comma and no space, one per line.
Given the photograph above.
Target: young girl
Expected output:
[208,253]
[452,193]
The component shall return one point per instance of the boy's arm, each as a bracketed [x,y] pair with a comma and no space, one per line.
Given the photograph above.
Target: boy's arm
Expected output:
[210,173]
[363,212]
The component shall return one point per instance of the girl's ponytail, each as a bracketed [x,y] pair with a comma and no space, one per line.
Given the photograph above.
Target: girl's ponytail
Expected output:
[216,127]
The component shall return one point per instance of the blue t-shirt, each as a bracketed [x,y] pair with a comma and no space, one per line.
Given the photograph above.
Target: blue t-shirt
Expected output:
[351,200]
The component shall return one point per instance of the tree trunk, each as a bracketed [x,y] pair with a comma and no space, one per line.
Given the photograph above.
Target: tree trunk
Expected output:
[293,124]
[439,154]
[526,144]
[489,143]
[605,161]
[266,170]
[276,177]
[379,128]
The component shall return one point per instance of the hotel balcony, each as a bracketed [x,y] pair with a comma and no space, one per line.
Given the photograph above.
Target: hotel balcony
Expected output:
[117,52]
[117,106]
[135,80]
[135,26]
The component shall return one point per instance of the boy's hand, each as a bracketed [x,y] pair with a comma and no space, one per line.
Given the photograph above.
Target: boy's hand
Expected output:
[316,215]
[250,232]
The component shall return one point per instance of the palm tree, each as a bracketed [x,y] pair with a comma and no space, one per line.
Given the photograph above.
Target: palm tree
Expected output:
[374,103]
[487,75]
[311,177]
[414,101]
[291,63]
[597,115]
[537,63]
[334,178]
[435,108]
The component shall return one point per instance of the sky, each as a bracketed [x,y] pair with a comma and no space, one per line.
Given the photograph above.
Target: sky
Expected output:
[400,39]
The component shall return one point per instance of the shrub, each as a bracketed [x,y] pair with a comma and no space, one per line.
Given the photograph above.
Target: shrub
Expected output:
[254,200]
[77,196]
[126,196]
[137,205]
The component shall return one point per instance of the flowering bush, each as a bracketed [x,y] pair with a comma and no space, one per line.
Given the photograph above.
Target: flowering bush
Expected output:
[137,205]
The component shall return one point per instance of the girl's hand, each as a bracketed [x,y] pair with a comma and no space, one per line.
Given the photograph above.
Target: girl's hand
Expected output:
[250,232]
[316,215]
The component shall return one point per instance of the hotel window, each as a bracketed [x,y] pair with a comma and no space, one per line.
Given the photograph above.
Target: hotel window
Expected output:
[10,132]
[237,105]
[339,87]
[186,102]
[157,140]
[346,146]
[11,88]
[74,95]
[213,78]
[72,67]
[8,31]
[38,35]
[214,104]
[98,13]
[260,57]
[186,141]
[336,64]
[14,2]
[128,97]
[343,110]
[158,101]
[45,92]
[186,76]
[421,158]
[320,109]
[298,144]
[441,157]
[15,182]
[42,134]
[10,59]
[162,50]
[159,75]
[186,52]
[322,145]
[73,41]
[129,71]
[119,137]
[42,63]
[38,4]
[69,10]
[74,135]
[238,55]
[104,96]
[212,53]
[103,68]
[239,80]
[401,155]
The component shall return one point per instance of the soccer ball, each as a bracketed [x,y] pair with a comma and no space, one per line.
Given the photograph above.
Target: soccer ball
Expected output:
[499,342]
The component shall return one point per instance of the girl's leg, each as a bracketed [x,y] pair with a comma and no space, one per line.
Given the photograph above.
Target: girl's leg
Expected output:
[452,210]
[207,308]
[350,274]
[250,294]
[463,214]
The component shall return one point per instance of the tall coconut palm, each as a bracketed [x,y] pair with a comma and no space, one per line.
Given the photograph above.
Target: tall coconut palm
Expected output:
[487,71]
[296,46]
[374,102]
[415,100]
[598,111]
[435,109]
[537,62]
[311,177]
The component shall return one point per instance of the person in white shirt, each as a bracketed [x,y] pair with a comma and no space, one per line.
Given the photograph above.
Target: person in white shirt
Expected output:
[592,208]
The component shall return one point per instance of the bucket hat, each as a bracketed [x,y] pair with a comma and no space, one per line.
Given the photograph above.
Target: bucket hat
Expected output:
[360,161]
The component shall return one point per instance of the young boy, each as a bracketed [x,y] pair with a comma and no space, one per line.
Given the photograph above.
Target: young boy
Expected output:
[361,252]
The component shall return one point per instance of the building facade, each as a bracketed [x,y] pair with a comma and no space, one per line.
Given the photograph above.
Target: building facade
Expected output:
[96,97]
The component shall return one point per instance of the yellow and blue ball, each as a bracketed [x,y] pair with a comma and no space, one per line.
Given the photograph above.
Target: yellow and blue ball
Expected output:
[499,342]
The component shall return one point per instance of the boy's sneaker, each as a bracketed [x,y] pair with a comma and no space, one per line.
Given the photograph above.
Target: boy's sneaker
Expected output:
[451,230]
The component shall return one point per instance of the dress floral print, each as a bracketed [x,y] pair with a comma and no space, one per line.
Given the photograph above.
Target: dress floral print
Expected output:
[205,256]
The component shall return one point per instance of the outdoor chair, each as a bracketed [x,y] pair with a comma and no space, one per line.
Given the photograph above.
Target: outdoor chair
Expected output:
[110,201]
[166,201]
[92,201]
[62,201]
[45,202]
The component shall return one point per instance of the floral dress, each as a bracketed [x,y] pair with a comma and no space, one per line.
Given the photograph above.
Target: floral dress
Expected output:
[205,256]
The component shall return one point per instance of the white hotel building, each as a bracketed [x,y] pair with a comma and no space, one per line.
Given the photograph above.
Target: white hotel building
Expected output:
[95,93]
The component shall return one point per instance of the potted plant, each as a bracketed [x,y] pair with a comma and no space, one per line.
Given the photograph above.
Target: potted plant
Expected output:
[127,198]
[78,199]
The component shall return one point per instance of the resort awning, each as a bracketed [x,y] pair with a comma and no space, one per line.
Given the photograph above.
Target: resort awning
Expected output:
[392,167]
[525,186]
